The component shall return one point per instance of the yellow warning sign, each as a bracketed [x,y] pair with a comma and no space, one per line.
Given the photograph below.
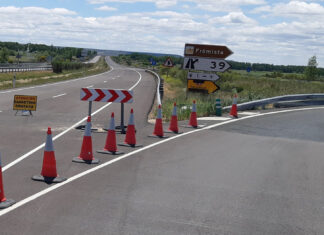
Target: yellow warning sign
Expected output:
[25,102]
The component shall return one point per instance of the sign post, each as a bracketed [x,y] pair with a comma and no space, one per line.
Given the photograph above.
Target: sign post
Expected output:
[208,58]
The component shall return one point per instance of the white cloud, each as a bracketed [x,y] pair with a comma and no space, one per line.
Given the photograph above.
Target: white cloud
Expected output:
[167,32]
[297,9]
[106,8]
[208,5]
[237,18]
[158,3]
[37,10]
[225,5]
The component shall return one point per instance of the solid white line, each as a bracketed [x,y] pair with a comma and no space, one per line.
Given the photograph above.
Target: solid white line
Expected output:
[11,164]
[248,113]
[213,118]
[73,178]
[59,95]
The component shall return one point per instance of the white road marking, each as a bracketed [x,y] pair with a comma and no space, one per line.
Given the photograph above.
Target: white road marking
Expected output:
[248,113]
[73,178]
[0,111]
[90,86]
[105,81]
[59,95]
[213,118]
[11,164]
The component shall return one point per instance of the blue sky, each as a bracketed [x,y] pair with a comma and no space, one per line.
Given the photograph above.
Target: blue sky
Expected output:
[258,31]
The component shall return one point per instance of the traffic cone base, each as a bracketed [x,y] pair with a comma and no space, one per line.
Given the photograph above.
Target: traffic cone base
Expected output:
[173,132]
[48,180]
[5,204]
[83,127]
[131,145]
[80,160]
[106,151]
[195,127]
[156,136]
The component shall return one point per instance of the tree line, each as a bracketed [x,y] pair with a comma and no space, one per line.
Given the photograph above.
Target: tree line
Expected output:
[62,58]
[40,51]
[309,72]
[273,68]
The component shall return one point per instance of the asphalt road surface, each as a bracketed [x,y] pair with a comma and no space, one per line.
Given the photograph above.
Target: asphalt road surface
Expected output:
[260,174]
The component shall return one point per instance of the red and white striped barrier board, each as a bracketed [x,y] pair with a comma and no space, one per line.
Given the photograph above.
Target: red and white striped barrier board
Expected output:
[106,95]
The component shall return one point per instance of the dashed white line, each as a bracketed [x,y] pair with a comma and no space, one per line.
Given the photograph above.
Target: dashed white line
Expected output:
[90,86]
[105,81]
[59,95]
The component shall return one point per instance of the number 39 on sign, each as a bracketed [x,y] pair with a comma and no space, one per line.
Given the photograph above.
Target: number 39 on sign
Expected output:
[205,64]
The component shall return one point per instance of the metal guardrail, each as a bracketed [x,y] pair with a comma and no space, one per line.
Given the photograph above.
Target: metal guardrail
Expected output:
[159,91]
[8,68]
[282,101]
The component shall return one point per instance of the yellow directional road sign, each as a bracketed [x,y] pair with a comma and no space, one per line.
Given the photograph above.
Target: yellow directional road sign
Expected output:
[204,85]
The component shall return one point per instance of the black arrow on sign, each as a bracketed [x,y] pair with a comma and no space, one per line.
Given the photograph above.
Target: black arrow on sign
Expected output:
[191,64]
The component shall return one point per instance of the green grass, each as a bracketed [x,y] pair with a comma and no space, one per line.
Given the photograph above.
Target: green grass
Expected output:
[41,77]
[249,86]
[23,59]
[252,86]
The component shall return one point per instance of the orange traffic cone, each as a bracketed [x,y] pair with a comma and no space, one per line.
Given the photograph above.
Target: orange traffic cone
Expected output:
[86,155]
[4,202]
[193,116]
[49,174]
[130,139]
[233,111]
[111,146]
[174,120]
[158,128]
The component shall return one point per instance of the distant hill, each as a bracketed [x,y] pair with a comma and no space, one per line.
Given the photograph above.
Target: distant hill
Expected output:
[116,53]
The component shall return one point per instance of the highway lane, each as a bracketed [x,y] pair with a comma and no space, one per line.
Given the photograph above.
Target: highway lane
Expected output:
[59,106]
[261,175]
